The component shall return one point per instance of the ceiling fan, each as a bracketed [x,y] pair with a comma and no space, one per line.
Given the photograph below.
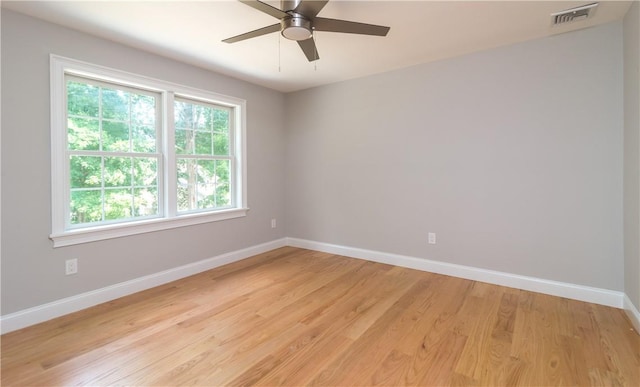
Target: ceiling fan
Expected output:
[298,20]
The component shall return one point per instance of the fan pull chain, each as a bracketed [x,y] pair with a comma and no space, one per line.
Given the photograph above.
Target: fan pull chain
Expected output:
[279,54]
[315,40]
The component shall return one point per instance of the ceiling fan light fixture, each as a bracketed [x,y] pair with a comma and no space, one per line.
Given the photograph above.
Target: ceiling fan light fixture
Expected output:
[296,28]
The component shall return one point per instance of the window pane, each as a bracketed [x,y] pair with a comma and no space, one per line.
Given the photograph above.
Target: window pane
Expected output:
[221,135]
[143,139]
[115,136]
[186,190]
[185,142]
[201,129]
[145,171]
[184,198]
[203,143]
[115,104]
[117,204]
[143,109]
[117,172]
[223,183]
[221,120]
[183,115]
[221,144]
[206,184]
[83,134]
[86,171]
[202,117]
[203,184]
[86,206]
[145,201]
[82,99]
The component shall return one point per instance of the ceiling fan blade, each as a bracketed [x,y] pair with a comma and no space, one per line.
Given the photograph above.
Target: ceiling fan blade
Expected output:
[254,33]
[310,8]
[349,27]
[309,48]
[266,8]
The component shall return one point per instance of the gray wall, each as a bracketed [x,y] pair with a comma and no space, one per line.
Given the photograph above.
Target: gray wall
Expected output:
[513,156]
[32,271]
[632,154]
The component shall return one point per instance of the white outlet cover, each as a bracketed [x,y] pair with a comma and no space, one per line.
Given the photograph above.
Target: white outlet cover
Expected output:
[71,266]
[432,238]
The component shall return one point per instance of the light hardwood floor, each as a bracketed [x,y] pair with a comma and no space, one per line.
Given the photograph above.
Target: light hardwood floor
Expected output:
[298,317]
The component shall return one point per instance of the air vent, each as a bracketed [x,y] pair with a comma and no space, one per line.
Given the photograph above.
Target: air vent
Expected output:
[573,14]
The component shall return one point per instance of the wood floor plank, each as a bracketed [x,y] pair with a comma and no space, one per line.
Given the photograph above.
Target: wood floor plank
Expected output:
[300,317]
[298,371]
[477,350]
[374,346]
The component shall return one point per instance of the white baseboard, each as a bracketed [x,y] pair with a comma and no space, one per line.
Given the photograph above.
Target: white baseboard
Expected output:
[38,314]
[554,288]
[632,313]
[31,316]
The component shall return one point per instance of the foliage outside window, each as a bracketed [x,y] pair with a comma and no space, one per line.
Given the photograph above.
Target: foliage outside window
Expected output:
[132,154]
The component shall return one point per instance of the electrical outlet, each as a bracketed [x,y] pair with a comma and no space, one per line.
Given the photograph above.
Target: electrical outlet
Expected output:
[273,223]
[432,238]
[71,266]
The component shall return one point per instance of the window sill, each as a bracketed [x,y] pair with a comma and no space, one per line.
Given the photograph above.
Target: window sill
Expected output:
[85,235]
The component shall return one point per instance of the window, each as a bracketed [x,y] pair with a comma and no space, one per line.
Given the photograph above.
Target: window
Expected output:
[132,154]
[112,143]
[202,155]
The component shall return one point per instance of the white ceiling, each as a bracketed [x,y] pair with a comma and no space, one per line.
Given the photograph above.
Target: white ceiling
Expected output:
[421,31]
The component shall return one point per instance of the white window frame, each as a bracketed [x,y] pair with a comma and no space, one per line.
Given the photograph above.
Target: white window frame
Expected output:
[64,235]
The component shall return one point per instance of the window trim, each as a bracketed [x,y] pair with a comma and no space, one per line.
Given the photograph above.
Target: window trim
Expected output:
[63,236]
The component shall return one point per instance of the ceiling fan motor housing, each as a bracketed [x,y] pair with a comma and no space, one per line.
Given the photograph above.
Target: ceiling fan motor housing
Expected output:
[296,27]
